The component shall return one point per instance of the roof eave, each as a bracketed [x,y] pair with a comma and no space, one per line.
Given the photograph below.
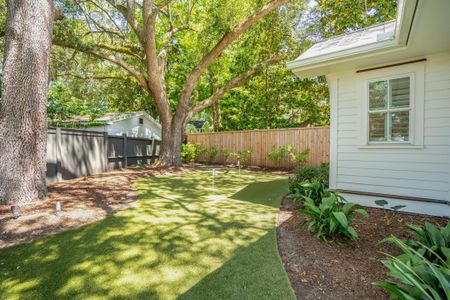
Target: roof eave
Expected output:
[342,56]
[406,12]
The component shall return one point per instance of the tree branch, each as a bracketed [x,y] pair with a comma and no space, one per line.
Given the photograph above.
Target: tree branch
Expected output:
[129,15]
[237,81]
[226,40]
[114,59]
[96,77]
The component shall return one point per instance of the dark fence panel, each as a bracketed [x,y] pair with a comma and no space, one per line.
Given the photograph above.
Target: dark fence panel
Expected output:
[138,151]
[73,153]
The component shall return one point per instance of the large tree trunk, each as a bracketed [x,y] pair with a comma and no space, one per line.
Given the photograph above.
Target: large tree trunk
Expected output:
[217,116]
[23,107]
[171,135]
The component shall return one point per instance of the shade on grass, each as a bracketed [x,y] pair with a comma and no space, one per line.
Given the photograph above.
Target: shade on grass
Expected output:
[188,237]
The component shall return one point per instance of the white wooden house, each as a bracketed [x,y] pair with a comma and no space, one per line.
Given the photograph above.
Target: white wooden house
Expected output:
[390,108]
[133,124]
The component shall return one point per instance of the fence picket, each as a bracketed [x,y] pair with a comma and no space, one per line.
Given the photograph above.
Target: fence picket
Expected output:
[316,139]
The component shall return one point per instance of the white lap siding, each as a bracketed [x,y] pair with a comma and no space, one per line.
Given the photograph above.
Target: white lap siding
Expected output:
[419,172]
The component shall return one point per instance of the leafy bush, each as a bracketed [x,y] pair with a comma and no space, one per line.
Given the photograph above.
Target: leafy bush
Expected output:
[415,276]
[331,220]
[190,152]
[315,191]
[309,175]
[300,157]
[281,155]
[211,153]
[430,241]
[225,155]
[243,157]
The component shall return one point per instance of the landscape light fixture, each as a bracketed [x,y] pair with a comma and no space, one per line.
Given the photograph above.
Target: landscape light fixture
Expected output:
[15,209]
[58,208]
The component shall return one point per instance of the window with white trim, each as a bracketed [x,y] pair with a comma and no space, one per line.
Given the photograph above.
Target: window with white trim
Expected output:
[389,110]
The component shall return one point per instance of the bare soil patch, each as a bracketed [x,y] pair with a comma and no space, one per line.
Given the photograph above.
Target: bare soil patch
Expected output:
[320,271]
[83,200]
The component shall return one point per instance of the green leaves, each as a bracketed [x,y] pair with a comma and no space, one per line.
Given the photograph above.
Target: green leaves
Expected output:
[190,152]
[416,277]
[331,219]
[282,154]
[431,242]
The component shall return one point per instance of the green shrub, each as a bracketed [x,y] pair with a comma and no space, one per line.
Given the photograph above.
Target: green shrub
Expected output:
[225,155]
[315,190]
[211,153]
[309,175]
[430,241]
[190,152]
[415,276]
[300,157]
[243,157]
[281,155]
[331,220]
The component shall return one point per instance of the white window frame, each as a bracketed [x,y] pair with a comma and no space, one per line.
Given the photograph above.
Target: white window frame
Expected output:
[416,73]
[388,110]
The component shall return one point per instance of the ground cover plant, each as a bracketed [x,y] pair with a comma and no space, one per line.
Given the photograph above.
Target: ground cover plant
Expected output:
[422,271]
[189,236]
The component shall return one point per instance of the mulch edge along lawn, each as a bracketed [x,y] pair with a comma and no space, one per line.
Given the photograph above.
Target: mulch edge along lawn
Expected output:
[60,266]
[320,271]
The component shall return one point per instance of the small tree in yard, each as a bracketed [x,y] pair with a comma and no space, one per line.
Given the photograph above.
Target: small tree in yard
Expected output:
[23,116]
[151,37]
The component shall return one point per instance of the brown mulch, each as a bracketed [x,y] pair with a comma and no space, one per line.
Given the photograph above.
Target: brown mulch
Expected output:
[83,201]
[320,271]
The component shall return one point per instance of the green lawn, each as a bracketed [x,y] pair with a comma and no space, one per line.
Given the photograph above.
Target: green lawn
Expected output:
[187,238]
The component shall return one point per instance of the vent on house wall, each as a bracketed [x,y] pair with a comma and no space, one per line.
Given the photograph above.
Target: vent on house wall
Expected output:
[141,121]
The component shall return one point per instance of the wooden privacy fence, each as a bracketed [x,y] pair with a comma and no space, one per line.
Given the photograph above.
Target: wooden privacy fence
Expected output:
[316,139]
[73,153]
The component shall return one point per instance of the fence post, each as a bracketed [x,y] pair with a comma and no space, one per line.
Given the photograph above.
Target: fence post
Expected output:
[125,154]
[58,154]
[153,150]
[106,145]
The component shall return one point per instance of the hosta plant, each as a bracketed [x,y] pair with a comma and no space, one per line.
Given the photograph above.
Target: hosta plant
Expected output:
[331,220]
[416,277]
[431,241]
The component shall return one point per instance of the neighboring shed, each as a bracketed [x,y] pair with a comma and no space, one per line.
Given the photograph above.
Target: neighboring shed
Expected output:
[134,124]
[390,108]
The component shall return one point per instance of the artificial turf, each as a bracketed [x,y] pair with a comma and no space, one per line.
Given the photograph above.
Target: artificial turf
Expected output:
[189,236]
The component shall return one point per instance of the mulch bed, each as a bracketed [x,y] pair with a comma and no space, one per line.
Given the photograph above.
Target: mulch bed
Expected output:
[83,201]
[320,271]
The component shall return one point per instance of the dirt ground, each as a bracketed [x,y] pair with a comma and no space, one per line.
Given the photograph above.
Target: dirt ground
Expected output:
[83,201]
[320,271]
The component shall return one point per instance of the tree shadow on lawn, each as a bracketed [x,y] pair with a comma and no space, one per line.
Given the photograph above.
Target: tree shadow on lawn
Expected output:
[169,243]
